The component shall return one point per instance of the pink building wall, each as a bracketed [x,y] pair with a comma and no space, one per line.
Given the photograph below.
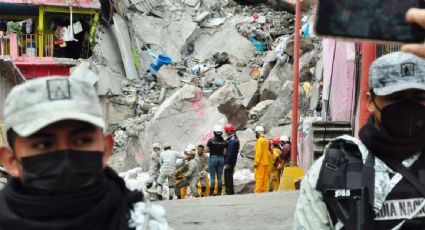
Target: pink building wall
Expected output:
[90,4]
[339,74]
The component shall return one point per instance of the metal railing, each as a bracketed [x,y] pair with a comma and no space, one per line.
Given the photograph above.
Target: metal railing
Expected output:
[386,49]
[28,45]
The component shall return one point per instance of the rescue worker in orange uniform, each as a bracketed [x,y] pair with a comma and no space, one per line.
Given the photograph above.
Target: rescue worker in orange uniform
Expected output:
[261,162]
[275,167]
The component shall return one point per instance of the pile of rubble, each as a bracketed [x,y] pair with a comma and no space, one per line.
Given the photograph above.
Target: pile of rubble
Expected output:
[226,63]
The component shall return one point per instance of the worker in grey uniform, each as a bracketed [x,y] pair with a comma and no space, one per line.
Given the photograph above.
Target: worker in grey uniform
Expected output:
[202,161]
[154,166]
[191,174]
[168,170]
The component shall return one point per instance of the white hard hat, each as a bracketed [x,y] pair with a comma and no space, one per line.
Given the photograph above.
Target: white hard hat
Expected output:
[167,145]
[259,129]
[284,138]
[156,145]
[218,128]
[190,147]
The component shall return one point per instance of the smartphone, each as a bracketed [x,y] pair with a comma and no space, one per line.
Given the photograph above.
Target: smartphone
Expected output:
[372,20]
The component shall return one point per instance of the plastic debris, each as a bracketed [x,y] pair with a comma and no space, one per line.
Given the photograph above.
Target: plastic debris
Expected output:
[259,46]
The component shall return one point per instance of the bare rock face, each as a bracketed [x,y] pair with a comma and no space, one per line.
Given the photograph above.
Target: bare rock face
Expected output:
[281,73]
[228,101]
[187,117]
[279,108]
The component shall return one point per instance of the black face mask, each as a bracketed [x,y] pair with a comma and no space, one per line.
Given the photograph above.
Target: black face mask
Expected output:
[403,120]
[62,172]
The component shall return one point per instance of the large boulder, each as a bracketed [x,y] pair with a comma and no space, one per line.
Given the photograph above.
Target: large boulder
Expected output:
[247,141]
[109,83]
[107,48]
[186,117]
[244,181]
[260,108]
[279,109]
[248,90]
[171,36]
[279,131]
[228,101]
[271,87]
[168,77]
[308,61]
[306,45]
[225,39]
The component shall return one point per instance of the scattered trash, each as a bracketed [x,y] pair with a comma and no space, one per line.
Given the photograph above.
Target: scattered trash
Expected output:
[219,82]
[255,72]
[158,62]
[259,46]
[198,69]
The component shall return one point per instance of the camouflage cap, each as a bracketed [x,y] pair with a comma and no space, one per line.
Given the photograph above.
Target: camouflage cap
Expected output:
[38,103]
[396,72]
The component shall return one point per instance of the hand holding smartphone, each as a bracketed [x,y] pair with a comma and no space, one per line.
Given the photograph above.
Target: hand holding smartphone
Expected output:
[380,21]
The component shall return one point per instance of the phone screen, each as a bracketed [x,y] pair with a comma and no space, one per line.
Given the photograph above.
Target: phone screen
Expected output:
[369,19]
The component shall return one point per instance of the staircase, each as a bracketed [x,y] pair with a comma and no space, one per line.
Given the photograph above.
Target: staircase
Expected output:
[324,132]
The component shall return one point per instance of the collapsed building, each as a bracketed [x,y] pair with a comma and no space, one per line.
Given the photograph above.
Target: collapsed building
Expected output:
[230,63]
[168,71]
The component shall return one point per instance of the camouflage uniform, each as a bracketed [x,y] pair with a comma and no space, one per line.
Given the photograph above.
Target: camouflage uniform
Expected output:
[311,211]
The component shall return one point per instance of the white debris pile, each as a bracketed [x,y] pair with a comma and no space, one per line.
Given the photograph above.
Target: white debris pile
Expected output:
[200,64]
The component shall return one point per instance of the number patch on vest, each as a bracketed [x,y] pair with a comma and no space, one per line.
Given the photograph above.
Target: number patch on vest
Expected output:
[342,193]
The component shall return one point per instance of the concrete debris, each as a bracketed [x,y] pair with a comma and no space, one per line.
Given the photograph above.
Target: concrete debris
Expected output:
[82,72]
[279,108]
[109,82]
[247,142]
[202,16]
[260,109]
[306,45]
[213,22]
[248,91]
[166,37]
[185,117]
[231,64]
[244,181]
[121,32]
[279,131]
[228,101]
[307,61]
[168,77]
[315,96]
[281,73]
[226,39]
[107,51]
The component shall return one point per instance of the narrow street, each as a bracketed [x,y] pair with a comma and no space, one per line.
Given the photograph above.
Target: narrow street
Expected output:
[263,211]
